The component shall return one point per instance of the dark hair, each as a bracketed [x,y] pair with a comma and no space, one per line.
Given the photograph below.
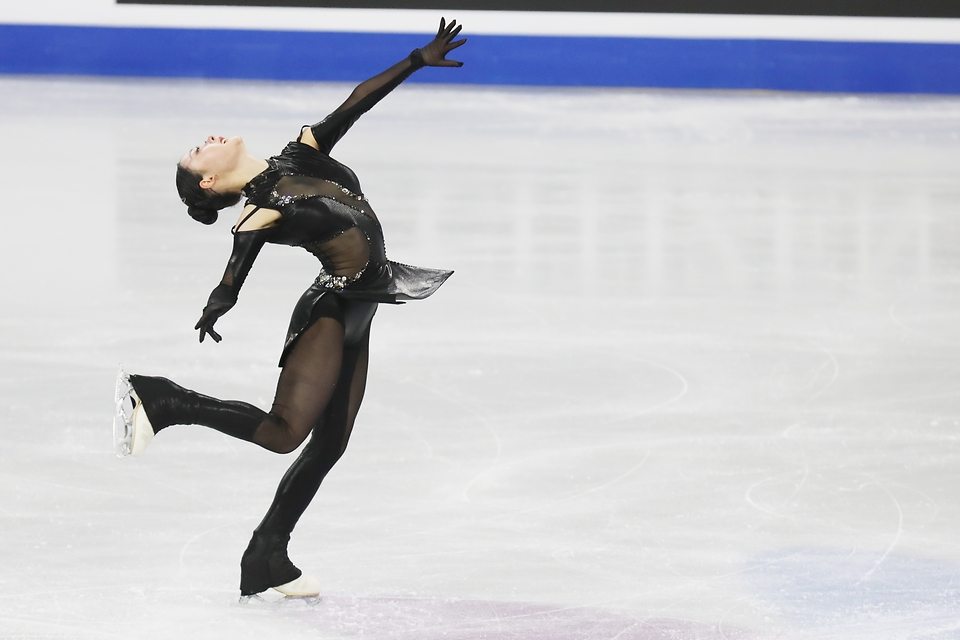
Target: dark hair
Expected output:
[203,205]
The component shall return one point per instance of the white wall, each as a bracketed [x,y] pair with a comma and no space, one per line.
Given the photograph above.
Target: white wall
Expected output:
[108,13]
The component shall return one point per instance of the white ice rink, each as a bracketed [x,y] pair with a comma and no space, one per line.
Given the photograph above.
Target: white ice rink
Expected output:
[697,375]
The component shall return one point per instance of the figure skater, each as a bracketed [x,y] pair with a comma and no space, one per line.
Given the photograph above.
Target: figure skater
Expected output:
[303,198]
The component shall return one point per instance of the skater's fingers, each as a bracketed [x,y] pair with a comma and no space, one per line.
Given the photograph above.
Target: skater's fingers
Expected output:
[211,313]
[205,324]
[453,34]
[204,320]
[208,329]
[453,45]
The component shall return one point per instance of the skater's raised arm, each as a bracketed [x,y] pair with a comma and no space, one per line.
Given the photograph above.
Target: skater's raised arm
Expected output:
[326,133]
[246,247]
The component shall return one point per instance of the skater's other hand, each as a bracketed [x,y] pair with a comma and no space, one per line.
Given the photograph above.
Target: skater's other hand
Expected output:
[211,313]
[435,53]
[221,300]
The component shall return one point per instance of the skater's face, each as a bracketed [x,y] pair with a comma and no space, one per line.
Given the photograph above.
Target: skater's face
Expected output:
[217,156]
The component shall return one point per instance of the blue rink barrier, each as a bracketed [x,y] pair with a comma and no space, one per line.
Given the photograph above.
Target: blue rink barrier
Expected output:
[791,65]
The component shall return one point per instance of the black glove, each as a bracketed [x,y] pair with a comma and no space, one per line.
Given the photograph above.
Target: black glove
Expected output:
[435,53]
[221,300]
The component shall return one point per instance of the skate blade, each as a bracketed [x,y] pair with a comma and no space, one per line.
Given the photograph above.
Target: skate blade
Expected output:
[125,400]
[132,431]
[271,599]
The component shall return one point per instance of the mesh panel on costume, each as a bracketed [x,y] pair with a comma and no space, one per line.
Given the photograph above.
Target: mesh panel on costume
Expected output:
[345,252]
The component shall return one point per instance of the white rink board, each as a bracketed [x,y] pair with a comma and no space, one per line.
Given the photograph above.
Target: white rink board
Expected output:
[651,25]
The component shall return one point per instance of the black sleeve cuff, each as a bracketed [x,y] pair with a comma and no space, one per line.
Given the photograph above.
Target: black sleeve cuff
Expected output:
[416,59]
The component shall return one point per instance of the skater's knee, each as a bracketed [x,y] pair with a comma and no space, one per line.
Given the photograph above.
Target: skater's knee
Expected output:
[282,436]
[290,442]
[281,447]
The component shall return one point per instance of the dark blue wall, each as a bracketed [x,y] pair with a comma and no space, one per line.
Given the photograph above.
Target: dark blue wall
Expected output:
[530,60]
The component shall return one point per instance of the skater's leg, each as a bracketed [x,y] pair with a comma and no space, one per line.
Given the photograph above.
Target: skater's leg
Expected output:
[306,384]
[326,445]
[265,562]
[167,403]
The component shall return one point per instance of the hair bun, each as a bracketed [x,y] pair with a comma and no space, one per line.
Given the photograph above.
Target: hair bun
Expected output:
[203,215]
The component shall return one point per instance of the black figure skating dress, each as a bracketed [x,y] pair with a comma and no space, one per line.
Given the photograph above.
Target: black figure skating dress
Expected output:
[324,211]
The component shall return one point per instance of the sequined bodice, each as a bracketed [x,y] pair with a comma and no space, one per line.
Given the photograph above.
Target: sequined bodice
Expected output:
[323,211]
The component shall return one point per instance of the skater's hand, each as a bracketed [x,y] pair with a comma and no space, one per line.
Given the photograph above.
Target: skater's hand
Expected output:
[211,313]
[221,300]
[435,53]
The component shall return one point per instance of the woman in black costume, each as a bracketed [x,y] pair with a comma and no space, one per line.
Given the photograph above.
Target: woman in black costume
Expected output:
[304,198]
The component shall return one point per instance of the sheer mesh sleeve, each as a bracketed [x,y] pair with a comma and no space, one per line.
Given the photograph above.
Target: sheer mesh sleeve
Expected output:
[328,131]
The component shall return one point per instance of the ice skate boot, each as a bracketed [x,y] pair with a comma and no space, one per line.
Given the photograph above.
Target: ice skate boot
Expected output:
[265,565]
[148,404]
[132,431]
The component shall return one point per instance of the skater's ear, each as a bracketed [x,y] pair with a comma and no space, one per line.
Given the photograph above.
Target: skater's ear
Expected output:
[197,193]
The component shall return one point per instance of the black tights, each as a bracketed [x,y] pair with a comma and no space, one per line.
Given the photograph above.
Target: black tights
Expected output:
[319,391]
[323,398]
[321,386]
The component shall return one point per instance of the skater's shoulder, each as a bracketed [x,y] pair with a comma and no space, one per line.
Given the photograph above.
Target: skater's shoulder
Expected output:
[307,138]
[254,218]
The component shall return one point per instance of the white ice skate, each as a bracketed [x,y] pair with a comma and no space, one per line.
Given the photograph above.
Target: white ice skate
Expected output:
[132,431]
[302,587]
[304,591]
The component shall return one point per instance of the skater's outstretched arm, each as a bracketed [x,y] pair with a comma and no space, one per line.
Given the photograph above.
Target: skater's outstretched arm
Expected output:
[326,133]
[246,247]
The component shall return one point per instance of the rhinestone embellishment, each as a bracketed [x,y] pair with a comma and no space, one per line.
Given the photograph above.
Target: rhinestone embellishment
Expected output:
[330,281]
[279,200]
[283,200]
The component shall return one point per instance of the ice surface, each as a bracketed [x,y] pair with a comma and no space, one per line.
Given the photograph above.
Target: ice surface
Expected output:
[696,375]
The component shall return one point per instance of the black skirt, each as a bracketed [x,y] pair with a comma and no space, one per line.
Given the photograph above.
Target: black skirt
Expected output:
[394,283]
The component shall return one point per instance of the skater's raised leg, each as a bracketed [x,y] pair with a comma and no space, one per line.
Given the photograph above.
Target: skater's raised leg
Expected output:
[167,403]
[306,383]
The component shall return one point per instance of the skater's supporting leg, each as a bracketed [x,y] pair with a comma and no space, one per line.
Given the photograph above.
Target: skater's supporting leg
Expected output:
[265,562]
[326,445]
